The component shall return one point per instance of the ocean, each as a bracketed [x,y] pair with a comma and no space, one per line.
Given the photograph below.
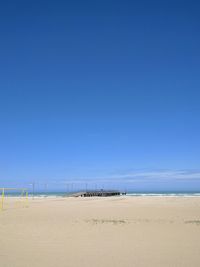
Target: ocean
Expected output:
[133,194]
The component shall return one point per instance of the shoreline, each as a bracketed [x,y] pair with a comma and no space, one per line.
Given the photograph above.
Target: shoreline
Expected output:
[131,195]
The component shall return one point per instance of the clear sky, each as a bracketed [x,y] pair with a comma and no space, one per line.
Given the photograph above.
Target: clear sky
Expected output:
[100,92]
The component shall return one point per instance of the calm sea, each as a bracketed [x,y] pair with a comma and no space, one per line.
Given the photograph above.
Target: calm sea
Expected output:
[133,194]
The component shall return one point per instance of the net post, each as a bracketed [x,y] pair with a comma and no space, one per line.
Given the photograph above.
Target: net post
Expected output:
[27,199]
[2,198]
[22,195]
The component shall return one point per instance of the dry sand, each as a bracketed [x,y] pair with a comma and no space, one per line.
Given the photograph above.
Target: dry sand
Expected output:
[119,231]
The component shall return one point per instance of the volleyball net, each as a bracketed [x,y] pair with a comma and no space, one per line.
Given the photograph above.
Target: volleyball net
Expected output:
[11,198]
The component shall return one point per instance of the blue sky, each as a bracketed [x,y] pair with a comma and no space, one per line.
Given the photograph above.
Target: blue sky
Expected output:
[100,92]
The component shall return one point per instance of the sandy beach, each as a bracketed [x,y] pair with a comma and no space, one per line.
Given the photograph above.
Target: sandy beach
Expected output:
[101,232]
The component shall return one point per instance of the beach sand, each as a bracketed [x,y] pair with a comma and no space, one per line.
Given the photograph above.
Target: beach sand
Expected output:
[116,231]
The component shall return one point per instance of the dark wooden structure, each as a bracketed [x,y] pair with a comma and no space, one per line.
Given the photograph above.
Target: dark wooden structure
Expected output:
[97,193]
